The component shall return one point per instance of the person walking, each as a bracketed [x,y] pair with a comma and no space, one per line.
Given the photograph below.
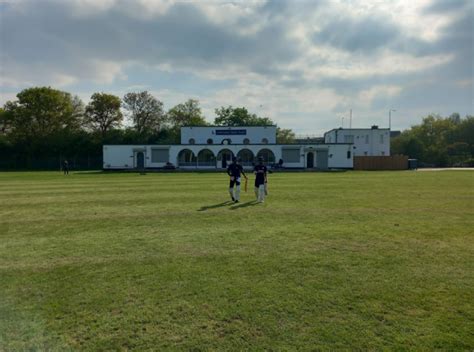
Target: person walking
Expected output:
[235,170]
[260,172]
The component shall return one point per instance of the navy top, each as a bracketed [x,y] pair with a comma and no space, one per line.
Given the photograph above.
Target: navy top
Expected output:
[235,170]
[260,172]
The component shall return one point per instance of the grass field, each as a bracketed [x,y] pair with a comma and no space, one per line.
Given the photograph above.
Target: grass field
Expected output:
[353,260]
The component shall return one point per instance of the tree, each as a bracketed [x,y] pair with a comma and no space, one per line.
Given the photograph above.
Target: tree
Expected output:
[285,136]
[5,123]
[103,113]
[230,116]
[145,111]
[42,111]
[186,114]
[438,141]
[455,118]
[79,110]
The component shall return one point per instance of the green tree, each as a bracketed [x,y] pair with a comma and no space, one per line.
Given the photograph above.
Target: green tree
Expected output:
[103,113]
[285,136]
[437,140]
[230,116]
[42,111]
[186,114]
[145,111]
[5,123]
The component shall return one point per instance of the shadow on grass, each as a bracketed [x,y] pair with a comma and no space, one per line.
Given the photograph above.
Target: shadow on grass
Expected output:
[244,205]
[207,207]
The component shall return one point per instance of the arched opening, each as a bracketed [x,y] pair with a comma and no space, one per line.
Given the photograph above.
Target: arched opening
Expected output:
[226,141]
[264,141]
[186,158]
[224,157]
[267,155]
[210,141]
[246,141]
[192,141]
[206,157]
[246,157]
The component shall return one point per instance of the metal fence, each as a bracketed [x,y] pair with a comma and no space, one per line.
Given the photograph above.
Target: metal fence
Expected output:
[12,163]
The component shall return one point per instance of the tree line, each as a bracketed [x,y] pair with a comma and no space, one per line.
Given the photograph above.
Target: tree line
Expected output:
[438,141]
[45,125]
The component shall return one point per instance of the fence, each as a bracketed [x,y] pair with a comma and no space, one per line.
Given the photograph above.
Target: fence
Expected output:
[396,162]
[49,163]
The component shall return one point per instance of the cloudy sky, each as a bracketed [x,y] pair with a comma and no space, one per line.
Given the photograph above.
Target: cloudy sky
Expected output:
[304,64]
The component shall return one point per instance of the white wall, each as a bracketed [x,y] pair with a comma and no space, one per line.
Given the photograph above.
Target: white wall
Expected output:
[120,156]
[123,156]
[366,141]
[254,134]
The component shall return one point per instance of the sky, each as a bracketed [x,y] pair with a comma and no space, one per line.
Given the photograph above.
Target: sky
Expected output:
[304,64]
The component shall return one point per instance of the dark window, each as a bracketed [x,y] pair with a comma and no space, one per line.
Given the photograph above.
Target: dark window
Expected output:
[246,141]
[348,154]
[209,141]
[192,141]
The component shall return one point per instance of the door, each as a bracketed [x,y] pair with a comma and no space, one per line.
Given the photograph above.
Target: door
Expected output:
[226,158]
[140,160]
[310,160]
[322,159]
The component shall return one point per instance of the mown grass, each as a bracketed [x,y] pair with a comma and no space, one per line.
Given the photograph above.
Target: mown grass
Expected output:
[355,260]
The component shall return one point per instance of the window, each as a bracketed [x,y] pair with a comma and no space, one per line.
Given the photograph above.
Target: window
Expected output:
[264,141]
[348,154]
[191,141]
[226,141]
[366,139]
[383,153]
[349,139]
[381,139]
[365,153]
[160,155]
[209,141]
[290,155]
[246,141]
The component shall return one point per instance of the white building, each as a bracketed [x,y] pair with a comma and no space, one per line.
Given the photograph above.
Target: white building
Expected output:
[228,135]
[367,141]
[212,147]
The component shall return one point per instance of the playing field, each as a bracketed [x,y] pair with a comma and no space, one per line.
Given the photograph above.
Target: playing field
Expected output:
[352,260]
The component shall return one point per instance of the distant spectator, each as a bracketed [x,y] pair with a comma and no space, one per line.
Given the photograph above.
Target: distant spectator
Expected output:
[66,167]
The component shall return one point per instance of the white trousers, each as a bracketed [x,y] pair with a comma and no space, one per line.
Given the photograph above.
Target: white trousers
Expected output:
[235,193]
[260,193]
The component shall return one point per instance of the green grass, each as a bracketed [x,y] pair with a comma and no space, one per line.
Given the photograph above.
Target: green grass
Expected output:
[354,260]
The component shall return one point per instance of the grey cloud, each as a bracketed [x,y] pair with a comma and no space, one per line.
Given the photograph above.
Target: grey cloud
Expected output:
[183,37]
[365,34]
[443,6]
[456,39]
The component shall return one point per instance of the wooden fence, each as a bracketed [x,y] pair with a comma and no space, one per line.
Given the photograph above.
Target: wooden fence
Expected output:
[396,162]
